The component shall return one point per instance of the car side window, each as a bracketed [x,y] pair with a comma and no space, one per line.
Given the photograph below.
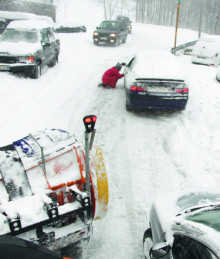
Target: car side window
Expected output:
[50,35]
[44,37]
[188,248]
[121,26]
[131,63]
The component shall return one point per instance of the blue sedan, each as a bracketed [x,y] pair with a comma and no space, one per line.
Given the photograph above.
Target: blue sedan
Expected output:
[155,81]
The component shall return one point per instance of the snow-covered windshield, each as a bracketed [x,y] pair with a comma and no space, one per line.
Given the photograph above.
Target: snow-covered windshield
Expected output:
[11,35]
[210,218]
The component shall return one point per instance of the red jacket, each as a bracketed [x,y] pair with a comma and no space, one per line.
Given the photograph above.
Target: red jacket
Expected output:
[111,76]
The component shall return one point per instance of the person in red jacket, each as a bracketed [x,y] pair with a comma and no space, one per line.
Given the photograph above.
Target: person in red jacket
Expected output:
[111,76]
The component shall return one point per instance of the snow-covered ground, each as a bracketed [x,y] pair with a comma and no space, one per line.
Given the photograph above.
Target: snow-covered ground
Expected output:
[146,154]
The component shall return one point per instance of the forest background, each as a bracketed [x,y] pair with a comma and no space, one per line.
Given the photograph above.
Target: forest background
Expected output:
[193,14]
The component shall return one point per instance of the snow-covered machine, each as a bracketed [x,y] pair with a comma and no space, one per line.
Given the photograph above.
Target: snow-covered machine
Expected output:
[52,187]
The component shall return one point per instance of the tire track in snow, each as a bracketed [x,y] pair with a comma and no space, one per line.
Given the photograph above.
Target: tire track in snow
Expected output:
[112,133]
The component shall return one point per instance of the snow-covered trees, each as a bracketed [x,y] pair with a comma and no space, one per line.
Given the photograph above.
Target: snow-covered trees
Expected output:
[194,14]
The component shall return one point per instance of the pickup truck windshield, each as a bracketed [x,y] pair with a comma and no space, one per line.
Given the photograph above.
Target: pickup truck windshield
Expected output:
[12,35]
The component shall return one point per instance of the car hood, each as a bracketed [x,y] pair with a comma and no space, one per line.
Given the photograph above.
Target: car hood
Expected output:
[172,207]
[18,48]
[183,201]
[106,31]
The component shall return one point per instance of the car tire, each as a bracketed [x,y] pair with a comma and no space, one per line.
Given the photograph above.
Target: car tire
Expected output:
[116,43]
[96,43]
[147,243]
[36,73]
[124,40]
[54,61]
[128,107]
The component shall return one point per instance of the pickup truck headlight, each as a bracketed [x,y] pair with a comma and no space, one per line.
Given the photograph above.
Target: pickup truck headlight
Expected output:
[95,33]
[113,35]
[26,60]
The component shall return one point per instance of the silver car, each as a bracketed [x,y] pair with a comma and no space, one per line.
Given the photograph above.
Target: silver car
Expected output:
[207,51]
[185,225]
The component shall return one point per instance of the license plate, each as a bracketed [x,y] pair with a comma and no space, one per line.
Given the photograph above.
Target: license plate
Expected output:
[160,89]
[103,38]
[4,68]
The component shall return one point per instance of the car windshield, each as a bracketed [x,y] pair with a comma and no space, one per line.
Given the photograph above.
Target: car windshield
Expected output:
[209,217]
[12,35]
[109,25]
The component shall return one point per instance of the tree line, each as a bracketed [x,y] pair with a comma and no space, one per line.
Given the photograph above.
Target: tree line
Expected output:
[193,13]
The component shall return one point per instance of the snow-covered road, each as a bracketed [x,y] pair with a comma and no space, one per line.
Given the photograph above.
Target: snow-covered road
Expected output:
[146,154]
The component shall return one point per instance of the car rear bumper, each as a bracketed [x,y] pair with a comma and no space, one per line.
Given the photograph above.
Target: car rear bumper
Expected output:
[204,61]
[155,102]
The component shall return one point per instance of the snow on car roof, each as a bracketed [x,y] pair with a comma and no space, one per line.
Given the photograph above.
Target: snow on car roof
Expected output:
[28,24]
[210,38]
[207,46]
[23,16]
[161,65]
[16,15]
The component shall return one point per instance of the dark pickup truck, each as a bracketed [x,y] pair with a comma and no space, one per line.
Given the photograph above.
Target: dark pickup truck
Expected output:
[27,46]
[111,32]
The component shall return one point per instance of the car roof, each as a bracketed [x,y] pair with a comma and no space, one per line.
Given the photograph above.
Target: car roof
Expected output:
[23,16]
[207,46]
[122,16]
[111,21]
[29,24]
[159,65]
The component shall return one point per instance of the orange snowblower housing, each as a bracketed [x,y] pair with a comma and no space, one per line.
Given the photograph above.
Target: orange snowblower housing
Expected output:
[43,195]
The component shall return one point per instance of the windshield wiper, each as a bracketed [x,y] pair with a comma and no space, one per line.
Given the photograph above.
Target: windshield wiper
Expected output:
[199,207]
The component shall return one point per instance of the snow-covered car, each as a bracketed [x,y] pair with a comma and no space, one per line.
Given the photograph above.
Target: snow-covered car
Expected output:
[218,75]
[207,51]
[126,20]
[184,226]
[154,80]
[68,27]
[8,16]
[27,46]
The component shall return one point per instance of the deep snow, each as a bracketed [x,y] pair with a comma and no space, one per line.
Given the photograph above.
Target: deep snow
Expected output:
[146,154]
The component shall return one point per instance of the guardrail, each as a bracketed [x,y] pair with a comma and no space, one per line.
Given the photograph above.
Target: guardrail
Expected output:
[184,48]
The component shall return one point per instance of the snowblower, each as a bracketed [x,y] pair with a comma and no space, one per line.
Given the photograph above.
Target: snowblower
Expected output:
[52,187]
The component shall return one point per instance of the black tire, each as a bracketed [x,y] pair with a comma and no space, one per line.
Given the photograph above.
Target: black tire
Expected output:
[147,242]
[116,42]
[128,108]
[72,250]
[54,61]
[124,40]
[96,43]
[36,73]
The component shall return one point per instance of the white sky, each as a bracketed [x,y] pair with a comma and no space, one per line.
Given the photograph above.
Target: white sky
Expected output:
[146,154]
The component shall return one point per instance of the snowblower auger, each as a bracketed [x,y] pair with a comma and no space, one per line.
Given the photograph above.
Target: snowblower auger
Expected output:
[50,188]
